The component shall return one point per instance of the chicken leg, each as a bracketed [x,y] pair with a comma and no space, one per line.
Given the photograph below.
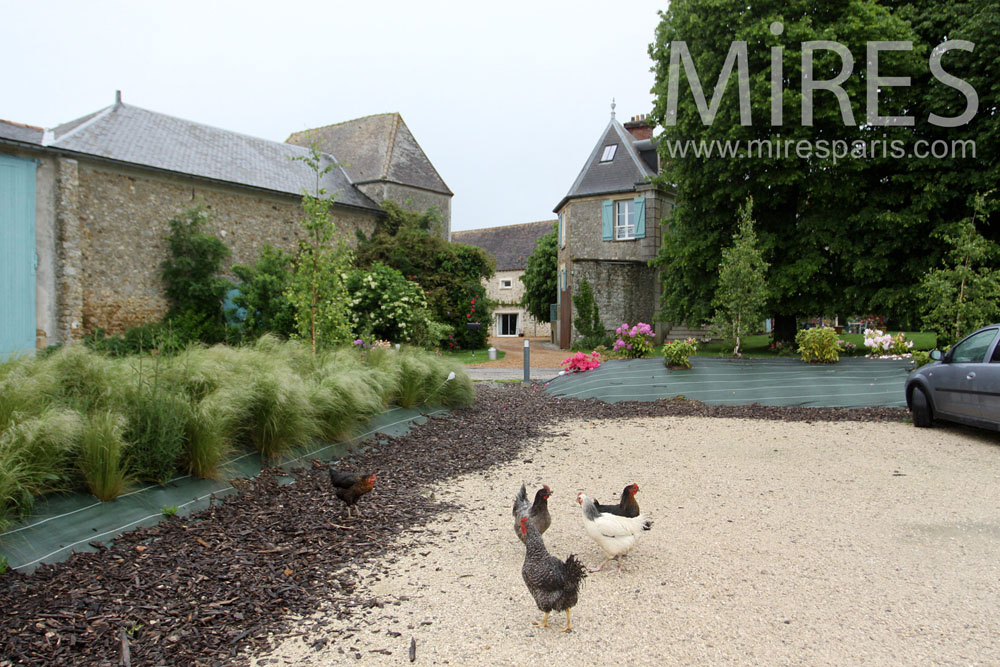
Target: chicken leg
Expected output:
[569,626]
[544,623]
[602,565]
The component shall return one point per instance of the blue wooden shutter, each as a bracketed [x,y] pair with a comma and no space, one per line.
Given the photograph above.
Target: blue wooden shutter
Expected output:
[18,260]
[640,217]
[608,220]
[562,242]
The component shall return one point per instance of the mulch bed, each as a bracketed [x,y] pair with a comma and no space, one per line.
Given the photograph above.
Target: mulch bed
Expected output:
[207,589]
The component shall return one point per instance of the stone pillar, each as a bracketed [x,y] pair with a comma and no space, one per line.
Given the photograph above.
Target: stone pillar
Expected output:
[70,273]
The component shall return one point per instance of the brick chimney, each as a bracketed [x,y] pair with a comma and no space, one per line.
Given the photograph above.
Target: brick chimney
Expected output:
[639,127]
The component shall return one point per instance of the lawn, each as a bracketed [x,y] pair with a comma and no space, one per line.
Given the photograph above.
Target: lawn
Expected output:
[761,345]
[471,356]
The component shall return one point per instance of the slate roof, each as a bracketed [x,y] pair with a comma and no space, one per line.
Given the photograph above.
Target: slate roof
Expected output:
[511,245]
[376,148]
[129,134]
[621,174]
[28,134]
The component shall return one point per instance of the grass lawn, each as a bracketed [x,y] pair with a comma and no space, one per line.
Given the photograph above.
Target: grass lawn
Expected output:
[760,346]
[471,356]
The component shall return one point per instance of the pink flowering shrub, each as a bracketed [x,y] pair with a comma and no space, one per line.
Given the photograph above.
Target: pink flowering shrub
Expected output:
[881,344]
[581,361]
[634,342]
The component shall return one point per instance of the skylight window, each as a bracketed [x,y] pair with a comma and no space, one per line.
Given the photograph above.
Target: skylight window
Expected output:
[609,153]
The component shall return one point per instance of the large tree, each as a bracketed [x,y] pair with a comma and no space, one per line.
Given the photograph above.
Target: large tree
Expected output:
[842,234]
[540,277]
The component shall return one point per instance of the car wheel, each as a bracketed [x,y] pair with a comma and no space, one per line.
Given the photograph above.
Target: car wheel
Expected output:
[920,408]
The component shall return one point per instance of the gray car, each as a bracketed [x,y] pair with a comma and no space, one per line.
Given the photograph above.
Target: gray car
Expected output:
[960,385]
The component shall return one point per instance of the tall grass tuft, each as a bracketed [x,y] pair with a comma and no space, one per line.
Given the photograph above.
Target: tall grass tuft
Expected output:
[27,389]
[281,417]
[423,379]
[413,374]
[36,456]
[198,371]
[343,400]
[156,421]
[87,380]
[209,433]
[457,392]
[102,455]
[269,400]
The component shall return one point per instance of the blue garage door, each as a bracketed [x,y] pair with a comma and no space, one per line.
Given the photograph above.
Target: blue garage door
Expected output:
[17,256]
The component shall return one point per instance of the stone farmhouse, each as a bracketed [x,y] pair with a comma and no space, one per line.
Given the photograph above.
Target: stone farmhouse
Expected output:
[84,207]
[609,227]
[511,245]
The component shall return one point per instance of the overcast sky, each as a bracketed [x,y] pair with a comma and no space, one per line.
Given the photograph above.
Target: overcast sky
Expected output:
[506,98]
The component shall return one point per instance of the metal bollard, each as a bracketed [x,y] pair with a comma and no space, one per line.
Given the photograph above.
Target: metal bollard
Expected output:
[527,360]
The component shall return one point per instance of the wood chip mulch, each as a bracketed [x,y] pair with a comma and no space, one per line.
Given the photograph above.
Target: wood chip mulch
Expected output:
[207,589]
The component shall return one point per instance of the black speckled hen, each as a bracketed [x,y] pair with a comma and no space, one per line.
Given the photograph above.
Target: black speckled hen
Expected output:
[554,584]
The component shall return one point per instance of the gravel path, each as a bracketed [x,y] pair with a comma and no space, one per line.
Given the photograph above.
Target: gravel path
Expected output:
[543,354]
[775,543]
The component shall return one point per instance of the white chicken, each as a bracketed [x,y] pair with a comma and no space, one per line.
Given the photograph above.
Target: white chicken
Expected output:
[616,535]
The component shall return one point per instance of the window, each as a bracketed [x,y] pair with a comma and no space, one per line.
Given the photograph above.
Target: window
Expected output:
[972,350]
[562,230]
[625,220]
[506,283]
[609,153]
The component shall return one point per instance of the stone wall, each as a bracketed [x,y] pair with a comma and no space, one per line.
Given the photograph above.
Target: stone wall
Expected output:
[623,292]
[419,200]
[70,254]
[584,239]
[123,221]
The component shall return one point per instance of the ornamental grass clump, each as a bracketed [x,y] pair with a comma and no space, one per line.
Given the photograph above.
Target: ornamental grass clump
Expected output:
[676,352]
[278,415]
[87,380]
[156,428]
[102,457]
[634,342]
[343,400]
[36,456]
[209,433]
[818,345]
[425,378]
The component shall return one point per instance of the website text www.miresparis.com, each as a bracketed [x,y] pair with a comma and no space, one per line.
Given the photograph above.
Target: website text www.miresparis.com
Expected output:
[821,149]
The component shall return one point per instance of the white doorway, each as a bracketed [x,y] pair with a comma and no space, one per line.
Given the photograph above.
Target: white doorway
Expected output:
[506,324]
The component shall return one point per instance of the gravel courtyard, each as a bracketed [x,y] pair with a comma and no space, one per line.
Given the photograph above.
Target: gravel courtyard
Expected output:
[774,543]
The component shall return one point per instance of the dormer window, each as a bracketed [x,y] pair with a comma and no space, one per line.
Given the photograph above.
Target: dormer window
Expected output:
[609,153]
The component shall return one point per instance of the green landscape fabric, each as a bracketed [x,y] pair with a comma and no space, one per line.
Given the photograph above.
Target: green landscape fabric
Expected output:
[63,523]
[850,383]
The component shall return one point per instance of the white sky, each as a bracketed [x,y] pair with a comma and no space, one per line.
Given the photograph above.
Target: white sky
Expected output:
[506,98]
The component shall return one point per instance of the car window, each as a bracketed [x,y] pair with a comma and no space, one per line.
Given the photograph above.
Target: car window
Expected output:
[973,349]
[996,355]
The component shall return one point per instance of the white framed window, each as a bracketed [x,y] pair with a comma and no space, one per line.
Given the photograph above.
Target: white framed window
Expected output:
[624,220]
[506,283]
[609,153]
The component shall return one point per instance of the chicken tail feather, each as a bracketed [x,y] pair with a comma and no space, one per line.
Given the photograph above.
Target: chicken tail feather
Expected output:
[576,571]
[521,503]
